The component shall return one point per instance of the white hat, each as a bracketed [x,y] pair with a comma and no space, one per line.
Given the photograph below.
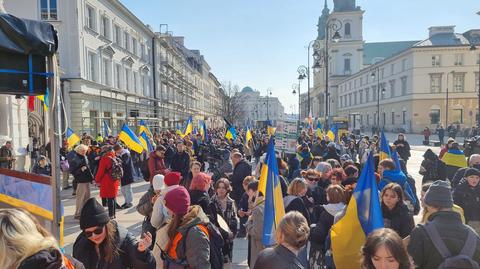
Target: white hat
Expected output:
[157,182]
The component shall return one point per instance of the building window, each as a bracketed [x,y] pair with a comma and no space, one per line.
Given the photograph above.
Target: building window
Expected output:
[134,46]
[135,82]
[367,95]
[434,116]
[435,83]
[478,58]
[435,60]
[361,96]
[392,69]
[48,10]
[375,94]
[361,81]
[457,116]
[458,59]
[126,40]
[384,118]
[118,35]
[404,117]
[350,99]
[368,119]
[392,88]
[404,85]
[404,64]
[477,82]
[92,64]
[355,98]
[107,72]
[458,82]
[348,30]
[93,126]
[90,18]
[118,76]
[105,27]
[393,118]
[128,79]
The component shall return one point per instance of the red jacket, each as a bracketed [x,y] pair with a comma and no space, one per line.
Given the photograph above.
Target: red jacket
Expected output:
[108,186]
[156,165]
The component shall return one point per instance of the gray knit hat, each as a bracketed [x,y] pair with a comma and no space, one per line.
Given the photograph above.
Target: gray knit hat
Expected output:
[439,195]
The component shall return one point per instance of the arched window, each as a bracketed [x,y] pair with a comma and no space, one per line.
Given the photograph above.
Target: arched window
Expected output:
[347,30]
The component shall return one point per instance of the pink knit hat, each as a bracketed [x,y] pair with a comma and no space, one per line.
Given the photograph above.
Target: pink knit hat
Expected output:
[178,200]
[200,182]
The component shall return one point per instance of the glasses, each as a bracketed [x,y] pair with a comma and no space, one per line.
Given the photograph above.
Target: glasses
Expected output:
[97,231]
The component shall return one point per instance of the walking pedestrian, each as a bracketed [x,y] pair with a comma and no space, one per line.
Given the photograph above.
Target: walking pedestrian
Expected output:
[107,180]
[127,178]
[441,134]
[79,168]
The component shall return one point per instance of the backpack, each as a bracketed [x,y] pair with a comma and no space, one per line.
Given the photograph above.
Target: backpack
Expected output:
[462,260]
[144,169]
[215,242]
[117,169]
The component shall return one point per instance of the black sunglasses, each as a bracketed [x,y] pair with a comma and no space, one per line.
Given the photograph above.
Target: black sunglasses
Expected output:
[97,231]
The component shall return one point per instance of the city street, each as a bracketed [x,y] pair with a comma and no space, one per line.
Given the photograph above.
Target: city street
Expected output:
[132,220]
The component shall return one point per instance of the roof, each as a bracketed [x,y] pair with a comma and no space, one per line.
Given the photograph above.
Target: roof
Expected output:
[444,39]
[377,51]
[247,90]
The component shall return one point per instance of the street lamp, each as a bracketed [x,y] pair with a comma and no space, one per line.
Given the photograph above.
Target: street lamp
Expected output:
[302,74]
[316,58]
[268,93]
[376,73]
[296,87]
[473,48]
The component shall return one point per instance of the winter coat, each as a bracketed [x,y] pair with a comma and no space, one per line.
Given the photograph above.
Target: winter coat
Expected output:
[4,154]
[202,199]
[459,176]
[194,246]
[181,163]
[127,165]
[108,185]
[75,166]
[295,203]
[230,217]
[240,171]
[435,169]
[129,256]
[468,198]
[398,219]
[48,259]
[46,170]
[331,154]
[319,233]
[452,232]
[156,165]
[169,153]
[159,214]
[278,257]
[404,151]
[255,230]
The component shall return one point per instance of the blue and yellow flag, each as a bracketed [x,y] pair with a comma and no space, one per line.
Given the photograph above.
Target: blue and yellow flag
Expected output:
[145,140]
[269,186]
[333,133]
[72,138]
[106,129]
[319,131]
[130,139]
[188,127]
[384,151]
[203,131]
[143,128]
[455,158]
[44,98]
[178,130]
[362,216]
[270,128]
[231,133]
[248,136]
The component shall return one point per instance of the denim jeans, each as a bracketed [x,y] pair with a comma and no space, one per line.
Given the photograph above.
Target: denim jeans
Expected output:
[127,193]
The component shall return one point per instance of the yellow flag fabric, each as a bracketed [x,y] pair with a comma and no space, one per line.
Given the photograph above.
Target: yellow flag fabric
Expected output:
[130,139]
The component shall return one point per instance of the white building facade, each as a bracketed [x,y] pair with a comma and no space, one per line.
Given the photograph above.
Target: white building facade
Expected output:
[257,108]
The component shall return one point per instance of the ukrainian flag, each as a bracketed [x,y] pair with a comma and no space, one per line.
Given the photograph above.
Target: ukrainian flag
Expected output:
[72,138]
[363,215]
[270,129]
[178,130]
[231,133]
[248,136]
[384,148]
[44,98]
[106,129]
[455,158]
[130,139]
[203,131]
[143,137]
[143,128]
[188,127]
[319,130]
[333,133]
[269,186]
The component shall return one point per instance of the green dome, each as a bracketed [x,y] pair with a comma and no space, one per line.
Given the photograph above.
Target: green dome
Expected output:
[247,90]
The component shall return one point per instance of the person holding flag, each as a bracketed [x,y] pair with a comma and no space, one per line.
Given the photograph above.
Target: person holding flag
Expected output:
[249,144]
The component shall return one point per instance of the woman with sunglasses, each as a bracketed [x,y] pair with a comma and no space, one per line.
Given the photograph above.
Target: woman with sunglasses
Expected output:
[104,244]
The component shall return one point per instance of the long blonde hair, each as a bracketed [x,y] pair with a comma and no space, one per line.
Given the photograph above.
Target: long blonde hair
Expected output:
[20,238]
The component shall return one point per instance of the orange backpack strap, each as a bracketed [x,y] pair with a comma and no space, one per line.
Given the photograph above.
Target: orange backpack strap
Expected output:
[172,249]
[68,263]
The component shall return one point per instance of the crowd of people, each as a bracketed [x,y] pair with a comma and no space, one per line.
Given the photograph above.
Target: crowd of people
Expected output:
[204,194]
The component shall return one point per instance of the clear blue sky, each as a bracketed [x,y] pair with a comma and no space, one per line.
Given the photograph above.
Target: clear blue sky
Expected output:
[260,43]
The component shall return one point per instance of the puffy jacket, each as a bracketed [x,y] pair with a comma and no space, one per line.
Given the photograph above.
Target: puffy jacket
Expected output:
[129,256]
[468,198]
[453,233]
[108,185]
[435,169]
[156,165]
[404,151]
[398,219]
[241,170]
[76,162]
[278,257]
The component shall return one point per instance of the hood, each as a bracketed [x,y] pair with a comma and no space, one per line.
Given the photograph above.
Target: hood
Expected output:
[334,209]
[194,216]
[45,259]
[429,155]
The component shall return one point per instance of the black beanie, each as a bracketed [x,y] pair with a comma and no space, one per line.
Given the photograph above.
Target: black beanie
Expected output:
[93,214]
[472,172]
[439,195]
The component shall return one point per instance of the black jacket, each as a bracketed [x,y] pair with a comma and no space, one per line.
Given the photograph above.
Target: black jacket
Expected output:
[240,171]
[458,177]
[453,233]
[295,203]
[127,165]
[48,259]
[46,171]
[76,163]
[129,256]
[435,168]
[404,151]
[202,199]
[181,163]
[169,153]
[398,219]
[278,257]
[468,198]
[319,233]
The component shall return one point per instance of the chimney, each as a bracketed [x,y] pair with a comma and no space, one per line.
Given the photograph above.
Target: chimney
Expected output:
[434,30]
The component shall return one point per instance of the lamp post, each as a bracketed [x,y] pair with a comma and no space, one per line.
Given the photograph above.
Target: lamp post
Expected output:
[473,48]
[446,101]
[316,58]
[332,25]
[268,93]
[296,87]
[302,74]
[376,73]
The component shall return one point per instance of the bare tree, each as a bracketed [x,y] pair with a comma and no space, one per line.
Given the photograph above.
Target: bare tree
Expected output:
[232,105]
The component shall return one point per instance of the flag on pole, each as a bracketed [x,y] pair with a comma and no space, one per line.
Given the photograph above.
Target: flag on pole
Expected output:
[178,130]
[319,130]
[270,187]
[363,215]
[231,133]
[270,128]
[72,138]
[130,139]
[106,129]
[203,130]
[188,127]
[143,128]
[44,98]
[145,140]
[333,133]
[248,136]
[384,152]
